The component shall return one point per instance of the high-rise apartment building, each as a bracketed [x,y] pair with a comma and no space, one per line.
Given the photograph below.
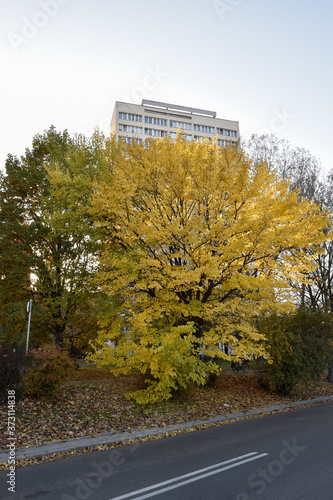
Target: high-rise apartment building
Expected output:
[157,119]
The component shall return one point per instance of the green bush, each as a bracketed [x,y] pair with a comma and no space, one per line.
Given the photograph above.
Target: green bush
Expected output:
[13,363]
[49,365]
[299,347]
[261,369]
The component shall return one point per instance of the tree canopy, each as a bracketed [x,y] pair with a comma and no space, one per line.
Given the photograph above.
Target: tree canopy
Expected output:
[48,240]
[305,175]
[199,242]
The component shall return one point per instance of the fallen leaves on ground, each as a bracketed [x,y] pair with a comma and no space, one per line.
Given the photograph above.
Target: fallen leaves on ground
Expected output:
[85,408]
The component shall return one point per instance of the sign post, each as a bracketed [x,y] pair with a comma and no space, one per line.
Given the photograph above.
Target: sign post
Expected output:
[29,307]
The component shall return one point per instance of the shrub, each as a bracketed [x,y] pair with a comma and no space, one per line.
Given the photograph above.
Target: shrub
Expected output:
[299,346]
[49,365]
[261,369]
[13,363]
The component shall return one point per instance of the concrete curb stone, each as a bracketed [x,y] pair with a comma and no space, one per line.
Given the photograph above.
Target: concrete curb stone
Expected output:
[110,438]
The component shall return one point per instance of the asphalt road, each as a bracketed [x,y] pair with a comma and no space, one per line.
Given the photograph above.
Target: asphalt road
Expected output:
[284,456]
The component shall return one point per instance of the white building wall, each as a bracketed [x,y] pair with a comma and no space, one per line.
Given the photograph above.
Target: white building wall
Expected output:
[156,119]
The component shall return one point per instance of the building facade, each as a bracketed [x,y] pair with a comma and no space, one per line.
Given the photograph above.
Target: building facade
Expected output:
[158,119]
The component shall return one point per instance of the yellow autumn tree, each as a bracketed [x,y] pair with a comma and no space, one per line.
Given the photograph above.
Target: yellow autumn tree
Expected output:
[200,243]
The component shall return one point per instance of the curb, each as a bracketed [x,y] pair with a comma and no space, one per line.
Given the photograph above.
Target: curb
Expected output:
[122,437]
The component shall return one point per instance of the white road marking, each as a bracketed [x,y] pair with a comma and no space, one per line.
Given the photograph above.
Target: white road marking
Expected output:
[199,474]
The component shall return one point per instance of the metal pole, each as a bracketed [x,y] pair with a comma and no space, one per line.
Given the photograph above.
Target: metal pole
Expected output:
[29,307]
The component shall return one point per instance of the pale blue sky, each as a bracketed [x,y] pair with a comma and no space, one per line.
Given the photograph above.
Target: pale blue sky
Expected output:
[265,63]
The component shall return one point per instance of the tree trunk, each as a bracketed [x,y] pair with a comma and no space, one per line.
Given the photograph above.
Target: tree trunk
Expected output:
[57,334]
[59,330]
[330,372]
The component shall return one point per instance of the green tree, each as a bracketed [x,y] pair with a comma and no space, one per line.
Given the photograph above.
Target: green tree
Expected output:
[299,346]
[48,240]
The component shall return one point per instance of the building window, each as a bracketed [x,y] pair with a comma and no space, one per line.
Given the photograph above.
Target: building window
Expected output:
[155,132]
[130,116]
[183,125]
[204,128]
[155,121]
[229,133]
[129,128]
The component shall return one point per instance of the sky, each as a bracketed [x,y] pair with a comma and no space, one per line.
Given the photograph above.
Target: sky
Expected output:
[264,63]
